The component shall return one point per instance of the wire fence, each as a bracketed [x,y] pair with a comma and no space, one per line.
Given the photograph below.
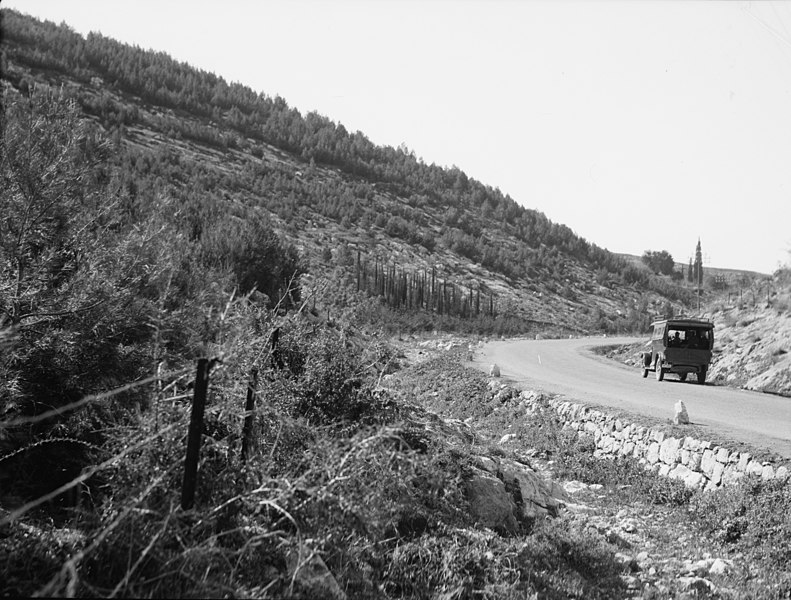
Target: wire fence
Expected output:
[199,396]
[66,580]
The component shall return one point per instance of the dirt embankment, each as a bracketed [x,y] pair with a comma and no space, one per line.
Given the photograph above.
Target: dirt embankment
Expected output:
[753,350]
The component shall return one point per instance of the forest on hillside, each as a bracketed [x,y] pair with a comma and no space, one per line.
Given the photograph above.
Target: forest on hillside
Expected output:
[201,107]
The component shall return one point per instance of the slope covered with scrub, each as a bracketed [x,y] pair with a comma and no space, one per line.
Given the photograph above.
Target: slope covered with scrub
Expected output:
[208,147]
[156,217]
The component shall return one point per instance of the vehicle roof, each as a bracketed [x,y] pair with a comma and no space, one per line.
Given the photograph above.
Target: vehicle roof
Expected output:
[685,322]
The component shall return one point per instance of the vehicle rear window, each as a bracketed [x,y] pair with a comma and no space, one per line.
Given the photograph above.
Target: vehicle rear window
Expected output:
[689,337]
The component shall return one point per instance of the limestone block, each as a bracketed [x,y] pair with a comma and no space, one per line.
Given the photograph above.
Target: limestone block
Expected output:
[694,461]
[681,417]
[529,395]
[720,566]
[618,425]
[684,454]
[768,473]
[744,460]
[668,450]
[652,456]
[716,474]
[664,470]
[707,462]
[627,449]
[723,455]
[691,443]
[657,436]
[691,479]
[755,468]
[782,473]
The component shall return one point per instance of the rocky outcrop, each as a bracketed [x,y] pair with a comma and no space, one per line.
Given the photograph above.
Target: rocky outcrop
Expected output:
[504,494]
[753,350]
[491,504]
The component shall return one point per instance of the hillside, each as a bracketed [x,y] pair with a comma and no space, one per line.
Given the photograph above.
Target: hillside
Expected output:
[185,134]
[200,395]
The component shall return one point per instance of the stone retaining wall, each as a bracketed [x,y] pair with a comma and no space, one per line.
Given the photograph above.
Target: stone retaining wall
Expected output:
[698,463]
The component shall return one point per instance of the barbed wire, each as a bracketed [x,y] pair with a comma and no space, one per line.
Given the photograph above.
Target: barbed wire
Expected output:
[85,400]
[12,516]
[49,441]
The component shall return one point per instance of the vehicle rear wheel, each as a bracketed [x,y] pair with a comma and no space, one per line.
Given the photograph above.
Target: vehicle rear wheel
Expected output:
[682,376]
[660,374]
[646,360]
[702,375]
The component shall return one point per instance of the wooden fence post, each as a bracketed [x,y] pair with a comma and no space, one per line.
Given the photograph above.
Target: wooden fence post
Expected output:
[274,347]
[195,432]
[249,407]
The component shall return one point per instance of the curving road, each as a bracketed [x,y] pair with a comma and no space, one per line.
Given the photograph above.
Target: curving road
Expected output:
[568,367]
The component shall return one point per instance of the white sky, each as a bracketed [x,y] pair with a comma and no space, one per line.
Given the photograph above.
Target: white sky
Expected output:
[640,125]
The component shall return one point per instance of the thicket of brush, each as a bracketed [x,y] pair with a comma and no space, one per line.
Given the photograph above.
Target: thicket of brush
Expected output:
[342,483]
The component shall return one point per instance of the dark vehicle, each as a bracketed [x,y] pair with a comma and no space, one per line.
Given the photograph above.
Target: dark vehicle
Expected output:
[680,346]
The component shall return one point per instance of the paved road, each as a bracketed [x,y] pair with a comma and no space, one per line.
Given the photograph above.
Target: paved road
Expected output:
[569,368]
